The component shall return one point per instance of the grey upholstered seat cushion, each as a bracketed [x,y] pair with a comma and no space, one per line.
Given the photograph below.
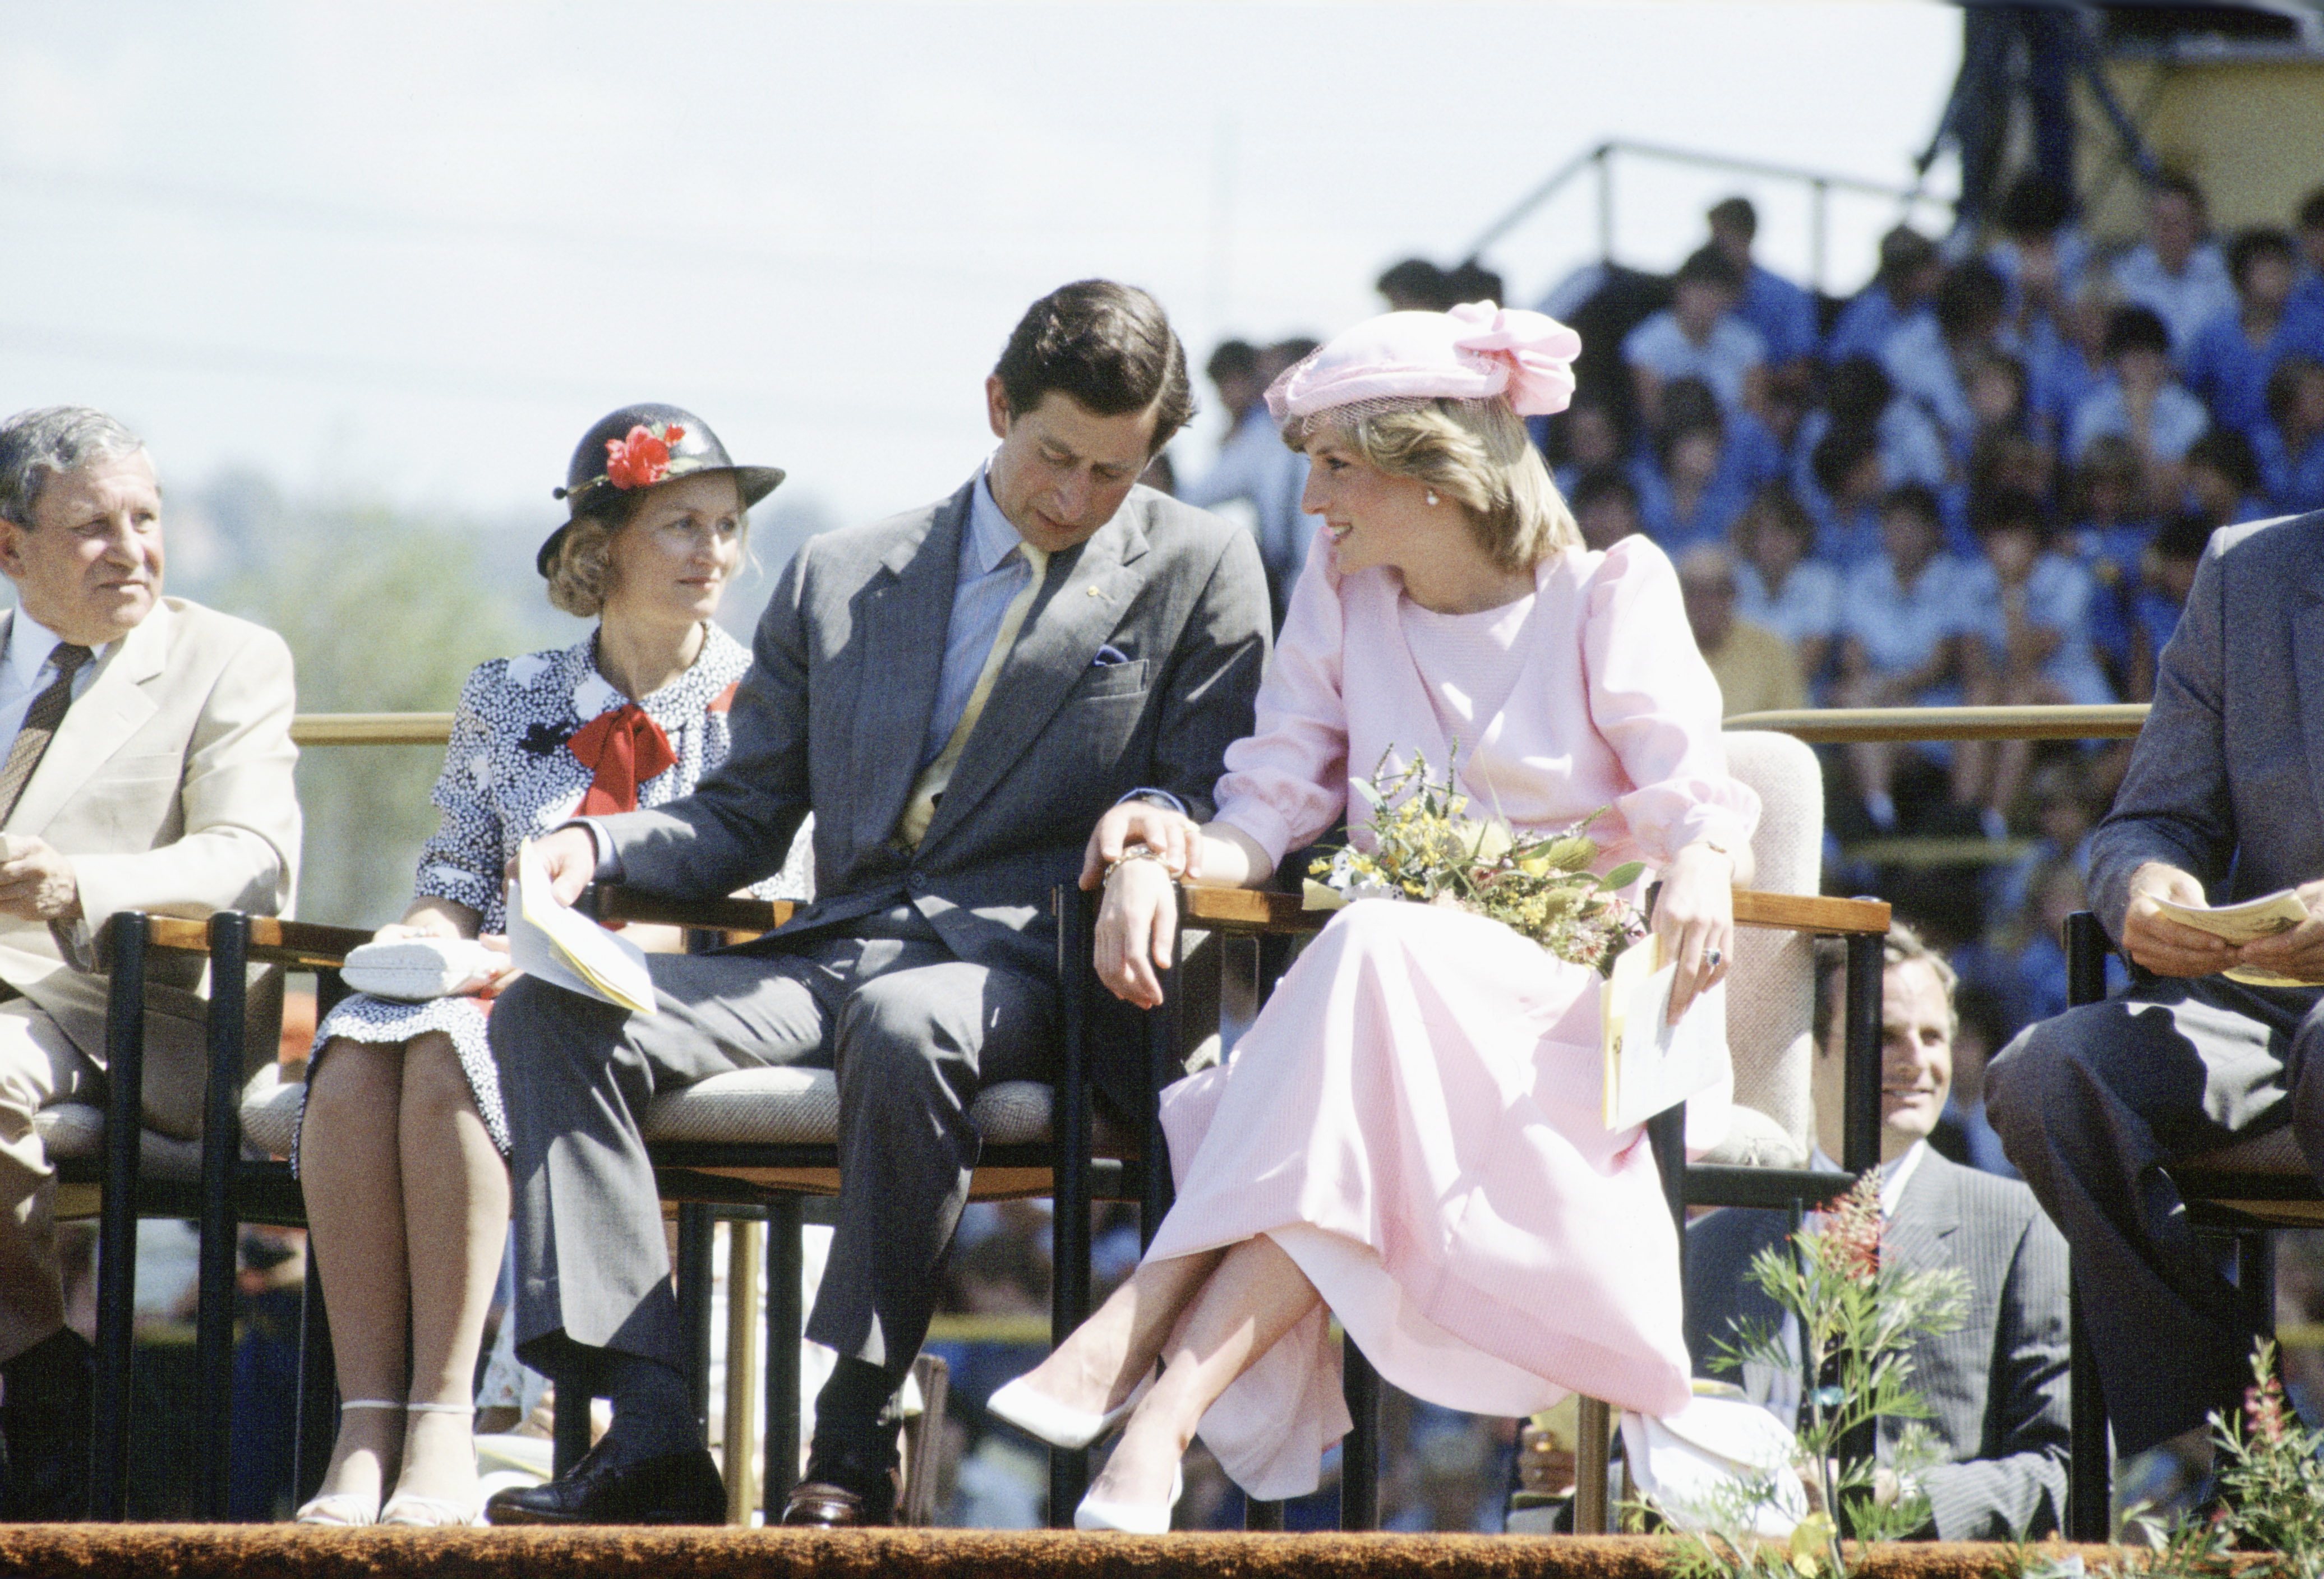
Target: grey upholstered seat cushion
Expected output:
[744,1106]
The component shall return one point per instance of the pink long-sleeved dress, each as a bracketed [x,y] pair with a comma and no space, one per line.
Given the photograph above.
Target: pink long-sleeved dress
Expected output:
[1415,1116]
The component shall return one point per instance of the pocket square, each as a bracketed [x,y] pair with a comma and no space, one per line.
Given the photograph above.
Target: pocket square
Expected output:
[1108,655]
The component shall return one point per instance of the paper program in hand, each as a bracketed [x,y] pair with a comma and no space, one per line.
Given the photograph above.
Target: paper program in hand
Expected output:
[1652,1065]
[2247,922]
[559,943]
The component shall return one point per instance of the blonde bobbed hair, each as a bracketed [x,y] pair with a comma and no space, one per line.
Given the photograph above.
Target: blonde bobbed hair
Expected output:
[1475,453]
[581,575]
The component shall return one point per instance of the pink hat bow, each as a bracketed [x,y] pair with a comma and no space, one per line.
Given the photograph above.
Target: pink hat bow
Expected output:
[1536,350]
[1473,352]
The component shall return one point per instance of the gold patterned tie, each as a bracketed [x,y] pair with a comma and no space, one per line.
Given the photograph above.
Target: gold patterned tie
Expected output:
[921,809]
[41,721]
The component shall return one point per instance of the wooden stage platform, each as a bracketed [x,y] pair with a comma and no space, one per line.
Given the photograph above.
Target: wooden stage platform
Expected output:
[152,1551]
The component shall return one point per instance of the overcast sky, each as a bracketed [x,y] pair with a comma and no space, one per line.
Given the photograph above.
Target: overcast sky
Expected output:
[407,253]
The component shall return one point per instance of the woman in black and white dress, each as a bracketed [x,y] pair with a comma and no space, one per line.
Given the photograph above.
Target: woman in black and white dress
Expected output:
[401,1144]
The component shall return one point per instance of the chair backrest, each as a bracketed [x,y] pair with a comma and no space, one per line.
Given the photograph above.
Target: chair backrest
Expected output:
[1771,989]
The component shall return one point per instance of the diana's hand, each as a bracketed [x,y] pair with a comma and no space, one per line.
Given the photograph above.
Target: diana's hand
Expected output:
[1695,920]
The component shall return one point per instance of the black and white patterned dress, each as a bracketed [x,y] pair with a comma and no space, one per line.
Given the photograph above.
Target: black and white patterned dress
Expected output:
[509,775]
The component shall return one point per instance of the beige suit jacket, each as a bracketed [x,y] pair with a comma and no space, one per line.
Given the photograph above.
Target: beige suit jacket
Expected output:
[168,787]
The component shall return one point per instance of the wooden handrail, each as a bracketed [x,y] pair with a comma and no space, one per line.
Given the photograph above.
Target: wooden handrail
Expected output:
[370,728]
[2116,721]
[1827,725]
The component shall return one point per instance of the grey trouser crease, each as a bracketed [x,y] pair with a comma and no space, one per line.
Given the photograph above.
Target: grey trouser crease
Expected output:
[912,1033]
[2090,1106]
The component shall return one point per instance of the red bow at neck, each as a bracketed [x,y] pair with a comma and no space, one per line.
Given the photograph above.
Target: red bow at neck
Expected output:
[622,749]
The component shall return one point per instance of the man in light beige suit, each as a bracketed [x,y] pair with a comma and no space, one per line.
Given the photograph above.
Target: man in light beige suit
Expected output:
[146,764]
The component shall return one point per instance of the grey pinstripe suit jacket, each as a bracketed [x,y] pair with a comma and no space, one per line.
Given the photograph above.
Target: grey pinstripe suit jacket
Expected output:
[1997,1385]
[844,676]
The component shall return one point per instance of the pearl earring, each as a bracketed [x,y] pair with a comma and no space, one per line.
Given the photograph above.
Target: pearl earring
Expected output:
[1432,495]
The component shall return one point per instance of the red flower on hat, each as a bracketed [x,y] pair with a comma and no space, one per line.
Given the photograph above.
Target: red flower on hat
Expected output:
[641,459]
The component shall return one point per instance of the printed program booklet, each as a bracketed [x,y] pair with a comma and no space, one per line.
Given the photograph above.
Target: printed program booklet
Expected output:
[1652,1065]
[2247,922]
[559,943]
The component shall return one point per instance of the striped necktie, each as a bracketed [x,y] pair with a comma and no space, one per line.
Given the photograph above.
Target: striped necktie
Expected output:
[921,809]
[41,721]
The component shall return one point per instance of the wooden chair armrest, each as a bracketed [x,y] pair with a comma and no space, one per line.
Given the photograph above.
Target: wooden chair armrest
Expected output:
[1262,911]
[1807,912]
[301,944]
[617,902]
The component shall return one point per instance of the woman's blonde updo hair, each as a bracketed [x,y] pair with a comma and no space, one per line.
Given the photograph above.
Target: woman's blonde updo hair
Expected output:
[1476,454]
[581,575]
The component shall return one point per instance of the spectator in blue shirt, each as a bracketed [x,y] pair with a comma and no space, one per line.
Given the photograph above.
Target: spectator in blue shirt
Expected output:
[2291,446]
[1783,314]
[2169,575]
[2228,362]
[1777,587]
[2177,270]
[2107,535]
[2039,255]
[1902,618]
[1858,389]
[1929,358]
[2223,478]
[1695,481]
[1605,505]
[2307,226]
[1582,436]
[2140,401]
[2000,399]
[1850,479]
[1698,336]
[1900,293]
[2028,643]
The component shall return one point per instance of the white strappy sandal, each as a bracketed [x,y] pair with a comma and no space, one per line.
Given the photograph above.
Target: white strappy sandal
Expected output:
[409,1507]
[346,1509]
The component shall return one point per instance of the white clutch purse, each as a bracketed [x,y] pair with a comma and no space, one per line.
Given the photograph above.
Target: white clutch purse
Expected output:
[413,970]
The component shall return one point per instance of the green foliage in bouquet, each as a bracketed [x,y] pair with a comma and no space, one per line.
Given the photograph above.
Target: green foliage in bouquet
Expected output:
[1427,848]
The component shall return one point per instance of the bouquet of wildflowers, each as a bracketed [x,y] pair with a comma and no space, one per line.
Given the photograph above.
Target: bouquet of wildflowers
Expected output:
[1426,846]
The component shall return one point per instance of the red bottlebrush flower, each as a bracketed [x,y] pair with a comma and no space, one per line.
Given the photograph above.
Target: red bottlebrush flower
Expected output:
[1849,1244]
[641,459]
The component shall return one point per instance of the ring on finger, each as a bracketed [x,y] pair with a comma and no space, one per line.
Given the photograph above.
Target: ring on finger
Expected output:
[1713,959]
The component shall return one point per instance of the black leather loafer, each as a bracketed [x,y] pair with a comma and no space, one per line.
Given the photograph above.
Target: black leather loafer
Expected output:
[843,1490]
[614,1487]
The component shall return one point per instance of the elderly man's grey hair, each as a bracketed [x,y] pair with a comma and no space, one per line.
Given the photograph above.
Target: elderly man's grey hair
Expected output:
[50,440]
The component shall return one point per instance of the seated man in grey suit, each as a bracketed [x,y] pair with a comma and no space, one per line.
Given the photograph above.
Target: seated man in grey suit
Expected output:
[2222,798]
[1998,1384]
[956,694]
[147,767]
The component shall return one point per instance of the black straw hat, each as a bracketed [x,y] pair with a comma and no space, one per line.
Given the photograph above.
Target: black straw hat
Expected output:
[638,447]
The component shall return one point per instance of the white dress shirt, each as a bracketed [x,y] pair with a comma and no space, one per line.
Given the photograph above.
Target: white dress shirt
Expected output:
[25,672]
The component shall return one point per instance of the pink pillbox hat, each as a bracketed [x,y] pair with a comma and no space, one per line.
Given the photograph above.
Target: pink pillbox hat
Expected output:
[1472,352]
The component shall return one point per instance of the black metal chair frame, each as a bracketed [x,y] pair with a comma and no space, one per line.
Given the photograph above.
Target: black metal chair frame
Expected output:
[231,1190]
[700,1176]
